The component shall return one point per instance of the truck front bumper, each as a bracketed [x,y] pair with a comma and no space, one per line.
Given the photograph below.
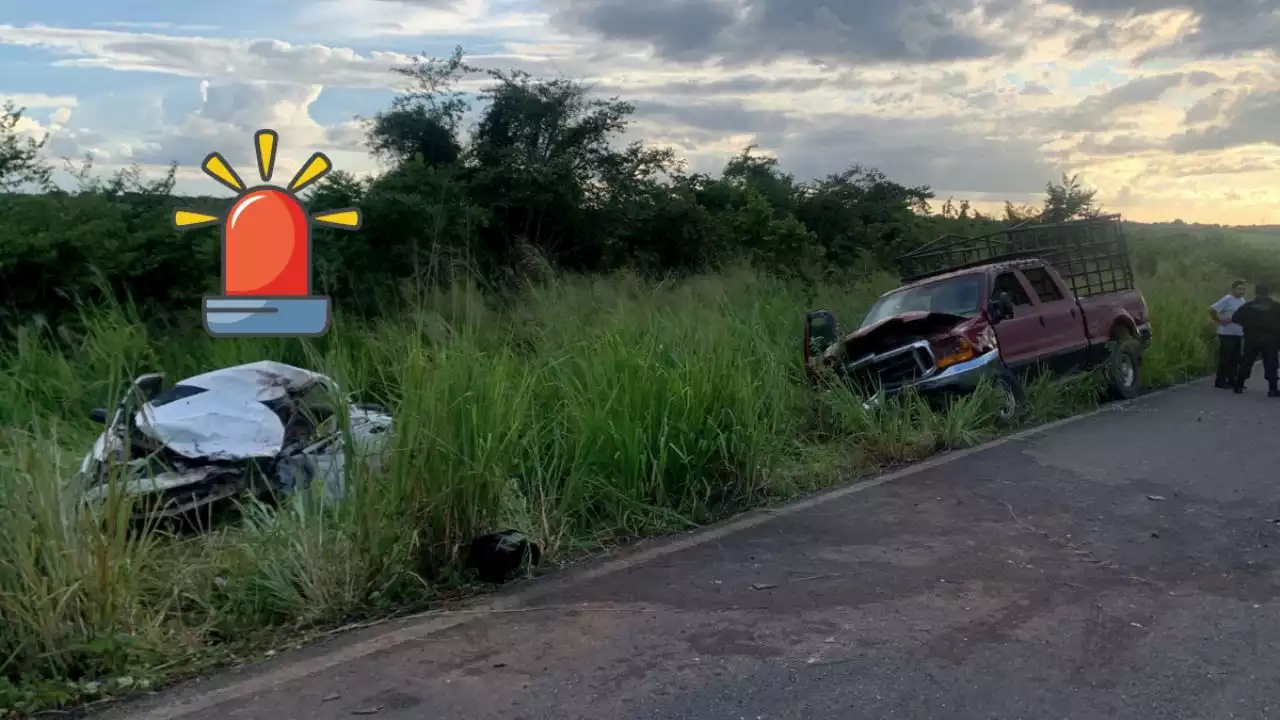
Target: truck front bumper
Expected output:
[959,379]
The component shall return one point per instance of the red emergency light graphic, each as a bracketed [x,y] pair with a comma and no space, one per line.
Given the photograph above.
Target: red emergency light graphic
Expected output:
[266,250]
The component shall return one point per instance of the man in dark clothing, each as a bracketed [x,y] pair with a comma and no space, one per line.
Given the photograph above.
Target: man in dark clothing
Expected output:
[1260,319]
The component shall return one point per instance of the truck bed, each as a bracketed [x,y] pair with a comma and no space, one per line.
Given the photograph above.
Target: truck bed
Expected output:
[1091,255]
[1100,312]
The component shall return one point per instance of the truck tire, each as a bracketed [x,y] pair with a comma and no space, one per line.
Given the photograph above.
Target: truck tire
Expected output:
[1124,369]
[1013,398]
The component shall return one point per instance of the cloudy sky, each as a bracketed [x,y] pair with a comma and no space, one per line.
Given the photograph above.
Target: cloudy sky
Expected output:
[1170,107]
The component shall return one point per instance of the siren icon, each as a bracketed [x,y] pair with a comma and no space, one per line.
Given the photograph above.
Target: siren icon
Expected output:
[266,250]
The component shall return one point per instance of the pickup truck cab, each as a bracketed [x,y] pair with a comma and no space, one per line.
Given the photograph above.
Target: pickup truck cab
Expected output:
[1002,321]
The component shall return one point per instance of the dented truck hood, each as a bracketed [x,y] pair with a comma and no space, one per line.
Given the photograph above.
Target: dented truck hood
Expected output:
[894,332]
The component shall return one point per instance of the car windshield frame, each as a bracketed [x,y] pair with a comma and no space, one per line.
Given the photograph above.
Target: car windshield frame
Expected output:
[899,301]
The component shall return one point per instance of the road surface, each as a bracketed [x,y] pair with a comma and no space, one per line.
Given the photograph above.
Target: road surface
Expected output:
[1122,565]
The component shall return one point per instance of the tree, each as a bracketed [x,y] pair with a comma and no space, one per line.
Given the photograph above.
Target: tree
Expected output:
[1069,200]
[20,163]
[423,122]
[1017,214]
[542,158]
[859,213]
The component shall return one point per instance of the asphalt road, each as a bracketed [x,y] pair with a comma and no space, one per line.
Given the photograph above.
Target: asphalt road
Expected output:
[1122,565]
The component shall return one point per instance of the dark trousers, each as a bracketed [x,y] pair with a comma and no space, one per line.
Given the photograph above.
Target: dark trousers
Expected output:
[1252,350]
[1228,358]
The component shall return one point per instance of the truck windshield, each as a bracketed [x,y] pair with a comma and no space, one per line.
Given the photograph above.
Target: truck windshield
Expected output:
[954,296]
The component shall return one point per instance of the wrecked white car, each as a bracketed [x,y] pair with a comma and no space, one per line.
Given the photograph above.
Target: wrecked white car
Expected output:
[262,430]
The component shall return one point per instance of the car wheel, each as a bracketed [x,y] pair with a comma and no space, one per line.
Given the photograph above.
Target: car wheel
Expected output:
[1011,399]
[1125,379]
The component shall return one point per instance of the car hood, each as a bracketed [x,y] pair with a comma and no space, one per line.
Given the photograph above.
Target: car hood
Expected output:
[896,331]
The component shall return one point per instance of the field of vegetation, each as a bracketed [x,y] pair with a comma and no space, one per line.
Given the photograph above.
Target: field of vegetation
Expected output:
[578,341]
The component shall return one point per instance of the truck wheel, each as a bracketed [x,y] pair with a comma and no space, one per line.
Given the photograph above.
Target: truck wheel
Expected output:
[1125,368]
[1011,399]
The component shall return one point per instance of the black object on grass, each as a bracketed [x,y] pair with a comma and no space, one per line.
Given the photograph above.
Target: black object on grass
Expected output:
[498,556]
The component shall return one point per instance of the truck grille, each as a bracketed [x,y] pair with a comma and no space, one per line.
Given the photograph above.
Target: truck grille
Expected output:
[892,370]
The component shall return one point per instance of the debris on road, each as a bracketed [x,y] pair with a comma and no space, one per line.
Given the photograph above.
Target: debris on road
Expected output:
[498,556]
[1156,497]
[262,429]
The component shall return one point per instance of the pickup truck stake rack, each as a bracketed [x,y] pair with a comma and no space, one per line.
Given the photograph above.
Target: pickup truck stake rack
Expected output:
[1055,298]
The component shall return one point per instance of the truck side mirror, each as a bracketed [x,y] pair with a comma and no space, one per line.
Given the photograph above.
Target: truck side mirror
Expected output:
[995,311]
[1001,308]
[1006,300]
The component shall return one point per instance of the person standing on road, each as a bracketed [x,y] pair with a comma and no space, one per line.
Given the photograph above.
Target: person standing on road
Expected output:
[1230,334]
[1260,320]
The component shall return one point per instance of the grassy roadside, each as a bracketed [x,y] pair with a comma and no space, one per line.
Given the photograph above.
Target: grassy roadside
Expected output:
[587,413]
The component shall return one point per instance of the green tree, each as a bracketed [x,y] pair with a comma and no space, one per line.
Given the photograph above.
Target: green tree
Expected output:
[423,121]
[1069,200]
[21,166]
[859,214]
[542,160]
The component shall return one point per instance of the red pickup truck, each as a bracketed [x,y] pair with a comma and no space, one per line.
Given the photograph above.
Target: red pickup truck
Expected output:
[1033,299]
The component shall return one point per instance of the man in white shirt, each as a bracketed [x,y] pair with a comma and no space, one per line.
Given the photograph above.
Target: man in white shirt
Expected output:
[1230,335]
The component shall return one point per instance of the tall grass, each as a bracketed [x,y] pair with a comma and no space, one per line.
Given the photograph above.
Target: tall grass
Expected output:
[587,411]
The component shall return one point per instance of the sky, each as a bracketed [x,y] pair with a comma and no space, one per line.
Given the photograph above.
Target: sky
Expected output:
[1170,108]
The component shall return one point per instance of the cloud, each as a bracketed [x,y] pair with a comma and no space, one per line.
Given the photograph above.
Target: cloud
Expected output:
[453,19]
[38,100]
[1152,100]
[1251,119]
[232,112]
[1211,28]
[1209,108]
[212,58]
[155,26]
[921,151]
[936,151]
[1097,113]
[914,31]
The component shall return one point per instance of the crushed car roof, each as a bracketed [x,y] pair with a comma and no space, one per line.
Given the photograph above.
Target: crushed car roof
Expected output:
[222,413]
[262,381]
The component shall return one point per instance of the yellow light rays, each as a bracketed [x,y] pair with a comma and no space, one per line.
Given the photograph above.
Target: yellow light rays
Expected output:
[216,167]
[314,169]
[345,219]
[190,219]
[265,142]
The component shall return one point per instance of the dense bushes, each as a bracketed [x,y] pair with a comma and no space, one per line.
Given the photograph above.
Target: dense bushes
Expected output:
[540,176]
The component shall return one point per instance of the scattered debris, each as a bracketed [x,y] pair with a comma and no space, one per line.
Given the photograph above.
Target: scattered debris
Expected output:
[263,430]
[807,578]
[330,697]
[368,711]
[1156,497]
[496,557]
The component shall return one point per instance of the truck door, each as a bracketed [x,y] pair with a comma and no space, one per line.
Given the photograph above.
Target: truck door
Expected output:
[1064,340]
[1020,336]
